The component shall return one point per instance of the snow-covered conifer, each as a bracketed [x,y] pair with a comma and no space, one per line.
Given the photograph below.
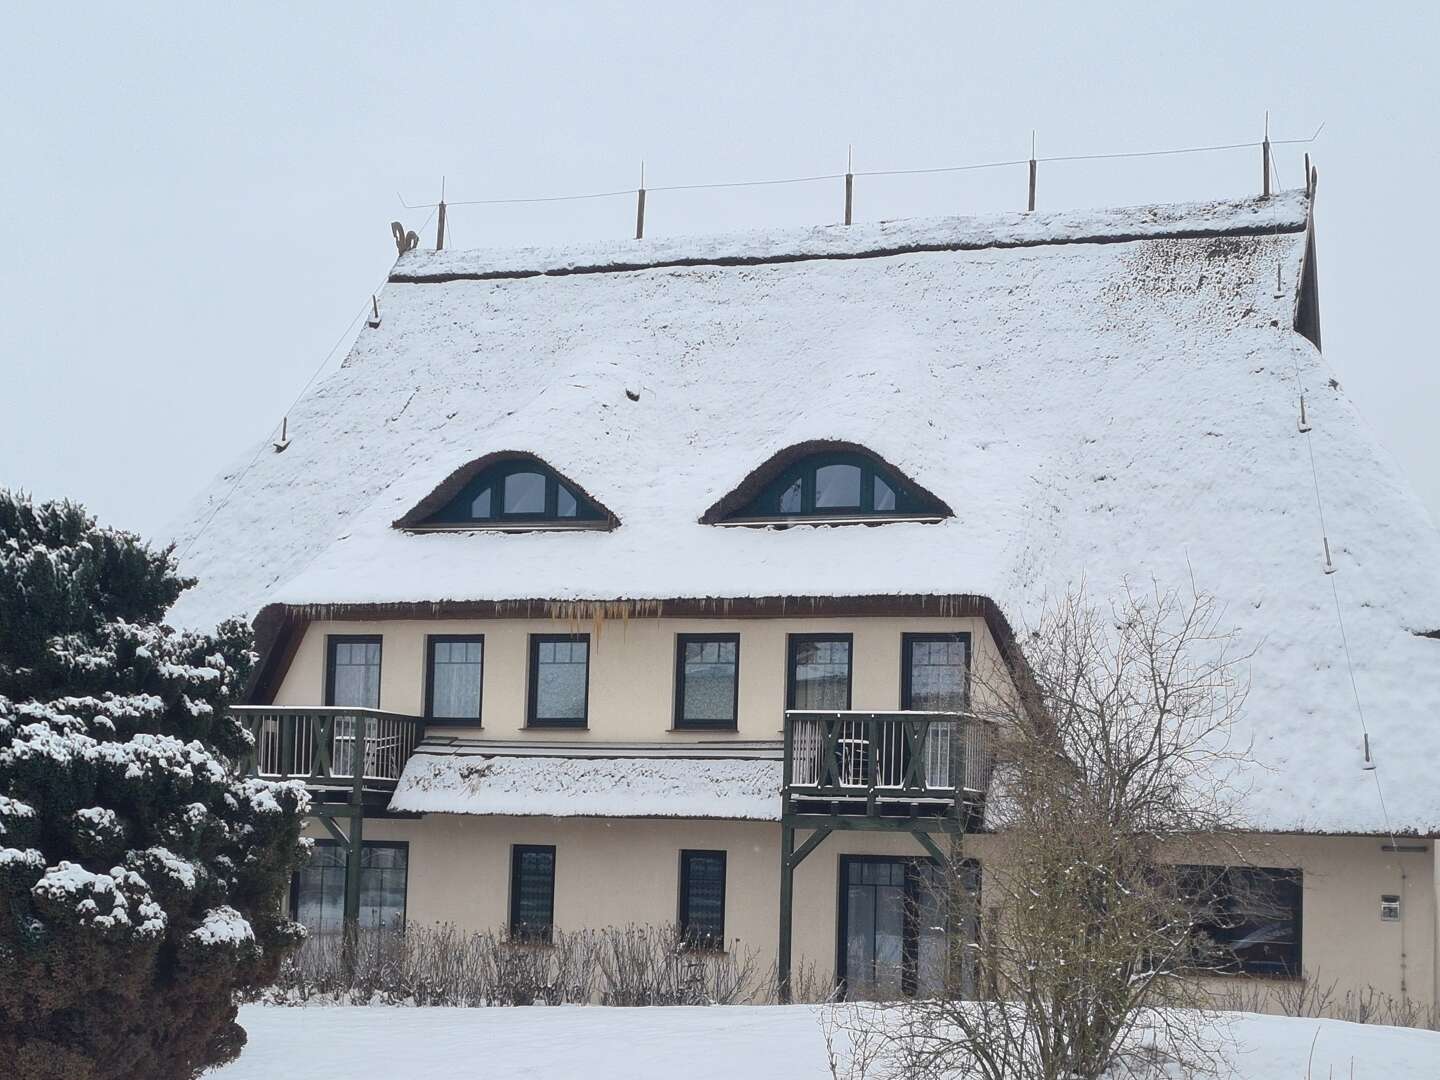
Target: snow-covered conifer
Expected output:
[140,877]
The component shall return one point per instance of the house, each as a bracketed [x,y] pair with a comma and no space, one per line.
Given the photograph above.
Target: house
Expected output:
[600,584]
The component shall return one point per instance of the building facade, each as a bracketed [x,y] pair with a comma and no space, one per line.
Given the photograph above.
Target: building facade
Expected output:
[659,583]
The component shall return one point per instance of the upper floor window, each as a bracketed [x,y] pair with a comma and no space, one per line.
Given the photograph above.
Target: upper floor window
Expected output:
[829,482]
[352,671]
[457,668]
[507,490]
[559,680]
[819,676]
[935,672]
[707,680]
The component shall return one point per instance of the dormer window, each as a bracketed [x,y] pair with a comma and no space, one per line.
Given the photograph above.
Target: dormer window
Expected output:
[510,490]
[826,483]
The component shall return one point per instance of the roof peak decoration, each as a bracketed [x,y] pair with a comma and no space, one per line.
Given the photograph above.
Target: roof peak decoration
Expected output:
[826,481]
[508,489]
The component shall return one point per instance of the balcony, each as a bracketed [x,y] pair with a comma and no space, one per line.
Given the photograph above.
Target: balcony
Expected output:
[340,748]
[877,765]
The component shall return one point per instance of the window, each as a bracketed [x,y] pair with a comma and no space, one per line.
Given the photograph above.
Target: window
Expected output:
[317,890]
[707,680]
[702,899]
[457,668]
[352,675]
[1248,918]
[559,679]
[843,482]
[511,490]
[891,929]
[532,892]
[819,672]
[935,672]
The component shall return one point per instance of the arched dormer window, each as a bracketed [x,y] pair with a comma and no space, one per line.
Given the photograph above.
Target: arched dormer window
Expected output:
[508,490]
[826,482]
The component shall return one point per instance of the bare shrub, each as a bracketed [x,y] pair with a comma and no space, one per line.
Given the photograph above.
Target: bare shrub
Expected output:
[441,965]
[1114,746]
[649,965]
[1312,998]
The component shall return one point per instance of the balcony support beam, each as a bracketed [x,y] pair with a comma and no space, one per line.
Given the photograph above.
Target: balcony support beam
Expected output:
[790,858]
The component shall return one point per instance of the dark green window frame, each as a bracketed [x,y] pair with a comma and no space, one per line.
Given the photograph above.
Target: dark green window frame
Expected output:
[681,721]
[329,847]
[792,656]
[908,642]
[559,495]
[532,893]
[332,642]
[1264,942]
[532,706]
[793,494]
[431,641]
[702,923]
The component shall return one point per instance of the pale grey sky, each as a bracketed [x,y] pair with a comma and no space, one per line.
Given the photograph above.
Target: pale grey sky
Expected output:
[199,199]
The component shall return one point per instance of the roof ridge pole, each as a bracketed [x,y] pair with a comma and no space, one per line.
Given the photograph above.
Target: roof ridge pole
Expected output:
[1265,157]
[849,181]
[440,223]
[1031,204]
[640,204]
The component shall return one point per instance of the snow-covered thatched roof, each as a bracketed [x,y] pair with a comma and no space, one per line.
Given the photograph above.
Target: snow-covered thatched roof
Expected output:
[735,783]
[1095,394]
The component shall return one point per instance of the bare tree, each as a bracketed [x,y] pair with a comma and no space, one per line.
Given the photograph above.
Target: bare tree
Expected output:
[1115,745]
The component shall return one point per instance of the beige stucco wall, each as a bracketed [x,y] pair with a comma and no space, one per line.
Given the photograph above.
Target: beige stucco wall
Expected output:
[632,669]
[614,872]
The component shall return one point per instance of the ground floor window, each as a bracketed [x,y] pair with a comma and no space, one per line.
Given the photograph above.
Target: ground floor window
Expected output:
[1248,918]
[317,891]
[894,914]
[702,898]
[532,892]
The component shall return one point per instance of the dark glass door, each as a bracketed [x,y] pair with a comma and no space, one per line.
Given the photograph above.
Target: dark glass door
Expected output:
[892,928]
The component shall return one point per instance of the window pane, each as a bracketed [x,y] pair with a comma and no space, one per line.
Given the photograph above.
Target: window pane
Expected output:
[822,675]
[837,486]
[702,902]
[566,506]
[708,681]
[357,674]
[524,493]
[560,679]
[532,891]
[884,496]
[320,887]
[455,678]
[937,675]
[1249,918]
[790,498]
[480,508]
[382,885]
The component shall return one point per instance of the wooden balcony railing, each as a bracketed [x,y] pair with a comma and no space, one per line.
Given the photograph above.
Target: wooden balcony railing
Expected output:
[900,757]
[339,746]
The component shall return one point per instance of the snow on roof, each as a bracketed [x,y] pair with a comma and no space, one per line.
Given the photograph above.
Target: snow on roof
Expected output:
[587,786]
[1097,394]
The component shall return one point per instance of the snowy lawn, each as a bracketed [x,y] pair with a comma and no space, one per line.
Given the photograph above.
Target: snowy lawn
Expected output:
[721,1043]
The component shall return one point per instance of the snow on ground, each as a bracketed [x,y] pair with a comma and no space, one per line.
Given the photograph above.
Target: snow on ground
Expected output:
[754,1043]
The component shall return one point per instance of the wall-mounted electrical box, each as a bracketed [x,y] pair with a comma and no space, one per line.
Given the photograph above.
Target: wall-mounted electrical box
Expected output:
[1389,907]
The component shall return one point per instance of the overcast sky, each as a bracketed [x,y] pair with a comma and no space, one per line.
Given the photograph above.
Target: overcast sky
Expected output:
[199,200]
